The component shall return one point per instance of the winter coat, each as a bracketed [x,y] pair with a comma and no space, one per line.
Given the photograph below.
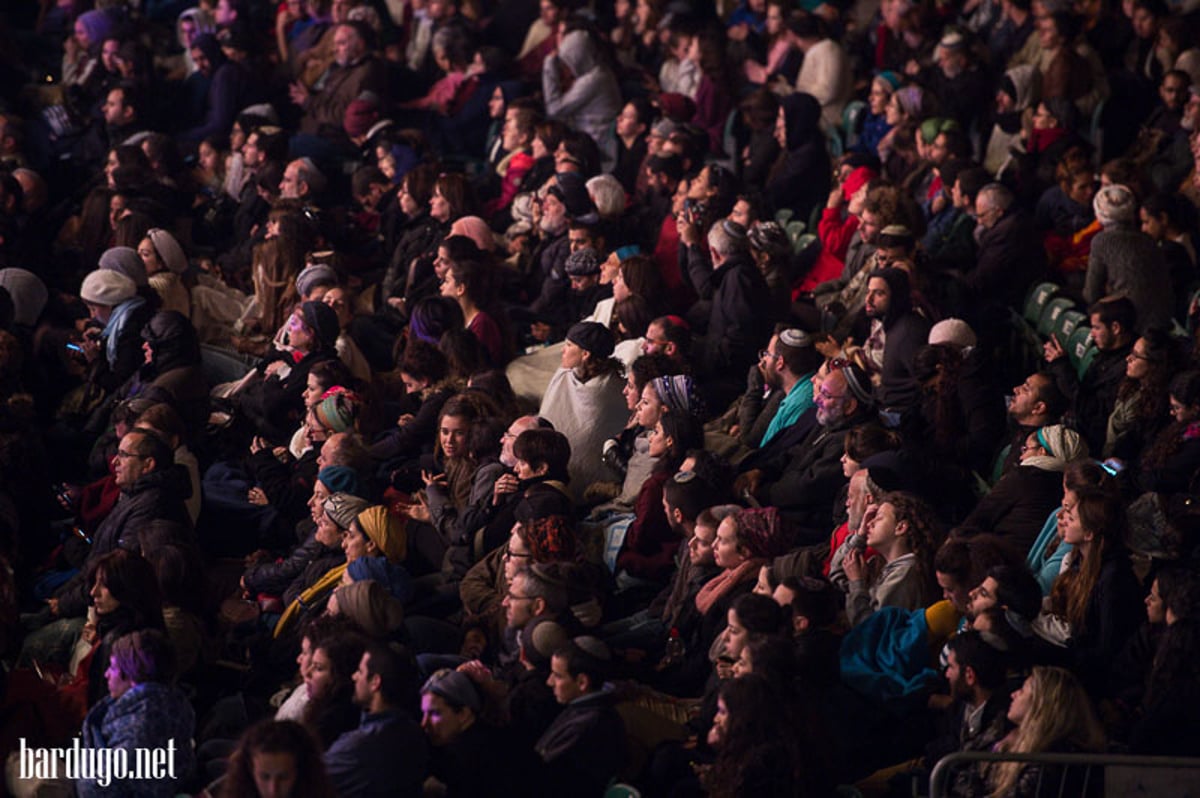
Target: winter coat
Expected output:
[363,762]
[1010,259]
[737,326]
[585,746]
[801,181]
[1016,507]
[1125,260]
[147,715]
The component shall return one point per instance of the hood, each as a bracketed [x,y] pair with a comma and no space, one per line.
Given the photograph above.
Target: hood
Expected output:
[1025,79]
[173,340]
[801,116]
[28,292]
[578,52]
[202,19]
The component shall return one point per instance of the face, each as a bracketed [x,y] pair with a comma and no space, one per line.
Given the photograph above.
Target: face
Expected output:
[628,124]
[1153,226]
[300,336]
[621,290]
[114,108]
[102,598]
[660,444]
[554,214]
[319,681]
[630,392]
[452,435]
[441,722]
[439,207]
[781,130]
[566,687]
[275,773]
[870,226]
[1032,448]
[1047,32]
[518,605]
[726,550]
[316,503]
[496,105]
[355,543]
[1156,611]
[831,400]
[1174,92]
[893,113]
[1145,24]
[1184,414]
[512,138]
[700,545]
[1103,335]
[251,153]
[1025,404]
[517,555]
[736,635]
[716,735]
[1021,700]
[877,98]
[1137,363]
[983,597]
[450,287]
[203,65]
[650,409]
[362,681]
[407,203]
[572,355]
[884,527]
[129,465]
[290,186]
[878,298]
[525,471]
[957,594]
[347,46]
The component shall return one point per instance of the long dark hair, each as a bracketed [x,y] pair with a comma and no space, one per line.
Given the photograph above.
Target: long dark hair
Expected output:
[759,729]
[1151,390]
[686,433]
[323,714]
[1185,389]
[277,737]
[131,580]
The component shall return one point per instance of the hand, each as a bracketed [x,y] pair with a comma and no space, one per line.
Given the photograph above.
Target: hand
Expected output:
[256,496]
[724,669]
[299,94]
[1053,350]
[52,603]
[836,198]
[476,670]
[257,444]
[91,348]
[853,565]
[506,484]
[418,511]
[749,481]
[396,302]
[539,331]
[831,348]
[405,420]
[274,367]
[281,454]
[689,232]
[433,479]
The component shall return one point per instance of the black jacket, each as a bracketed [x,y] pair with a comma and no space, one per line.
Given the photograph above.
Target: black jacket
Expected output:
[1010,259]
[737,324]
[1094,396]
[1017,506]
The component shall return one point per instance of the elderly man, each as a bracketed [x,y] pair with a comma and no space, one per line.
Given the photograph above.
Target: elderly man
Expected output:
[737,296]
[1010,252]
[355,69]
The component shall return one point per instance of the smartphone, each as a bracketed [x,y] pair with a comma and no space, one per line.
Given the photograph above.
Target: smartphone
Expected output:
[73,347]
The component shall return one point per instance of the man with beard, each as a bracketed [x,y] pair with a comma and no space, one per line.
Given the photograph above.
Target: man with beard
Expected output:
[1036,403]
[805,480]
[567,199]
[355,69]
[895,333]
[779,390]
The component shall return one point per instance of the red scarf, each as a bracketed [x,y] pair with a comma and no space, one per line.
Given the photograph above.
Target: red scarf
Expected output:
[725,581]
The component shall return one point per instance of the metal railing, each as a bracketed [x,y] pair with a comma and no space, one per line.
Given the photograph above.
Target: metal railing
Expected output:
[1120,775]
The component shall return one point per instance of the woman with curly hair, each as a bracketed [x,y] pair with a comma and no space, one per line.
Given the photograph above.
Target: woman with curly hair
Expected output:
[1053,715]
[276,758]
[1097,594]
[1142,405]
[1168,464]
[905,532]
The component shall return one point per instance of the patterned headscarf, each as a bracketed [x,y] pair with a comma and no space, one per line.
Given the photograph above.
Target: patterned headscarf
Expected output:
[759,532]
[679,393]
[550,539]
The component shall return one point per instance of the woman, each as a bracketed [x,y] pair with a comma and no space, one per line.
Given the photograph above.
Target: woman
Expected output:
[714,94]
[141,711]
[1167,465]
[751,618]
[112,347]
[276,264]
[172,364]
[423,374]
[276,759]
[1141,408]
[783,60]
[647,553]
[875,124]
[416,236]
[469,284]
[904,110]
[1097,594]
[330,711]
[1052,714]
[375,532]
[1173,684]
[446,494]
[772,253]
[1046,555]
[584,401]
[273,403]
[904,531]
[1015,506]
[800,179]
[165,266]
[582,91]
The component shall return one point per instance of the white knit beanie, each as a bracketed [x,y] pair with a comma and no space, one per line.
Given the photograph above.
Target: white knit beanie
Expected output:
[107,287]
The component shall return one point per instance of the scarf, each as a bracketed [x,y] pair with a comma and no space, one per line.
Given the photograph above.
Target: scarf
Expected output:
[319,590]
[725,581]
[116,325]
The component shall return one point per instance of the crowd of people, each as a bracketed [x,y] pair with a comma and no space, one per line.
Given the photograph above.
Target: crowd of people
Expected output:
[538,397]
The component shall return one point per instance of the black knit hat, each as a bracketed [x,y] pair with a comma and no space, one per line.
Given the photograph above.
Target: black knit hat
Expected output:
[323,321]
[592,337]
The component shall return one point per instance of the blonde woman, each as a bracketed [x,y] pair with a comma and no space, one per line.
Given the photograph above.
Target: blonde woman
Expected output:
[1053,715]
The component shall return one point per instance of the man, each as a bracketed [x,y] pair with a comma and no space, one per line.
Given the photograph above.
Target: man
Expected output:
[632,145]
[531,594]
[804,480]
[122,109]
[355,69]
[301,180]
[976,720]
[670,336]
[957,81]
[1037,402]
[950,243]
[1010,252]
[1008,588]
[1173,160]
[787,366]
[585,746]
[895,333]
[583,275]
[564,200]
[1093,396]
[1124,260]
[152,488]
[737,296]
[386,754]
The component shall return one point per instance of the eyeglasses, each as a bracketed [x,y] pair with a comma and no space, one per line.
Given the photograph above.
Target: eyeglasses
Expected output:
[127,455]
[514,555]
[764,353]
[514,597]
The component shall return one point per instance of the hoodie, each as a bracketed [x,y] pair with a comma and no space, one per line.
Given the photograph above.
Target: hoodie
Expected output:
[590,99]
